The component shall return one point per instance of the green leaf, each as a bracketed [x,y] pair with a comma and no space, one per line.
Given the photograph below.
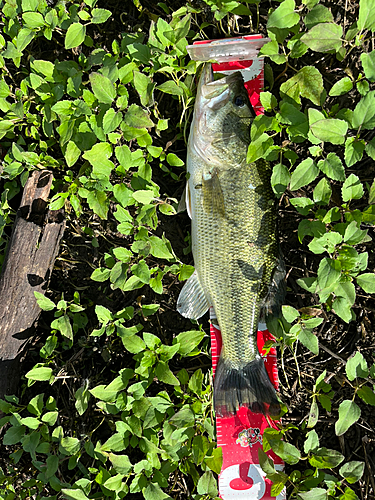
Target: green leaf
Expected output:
[63,325]
[33,20]
[309,340]
[353,151]
[44,302]
[154,492]
[341,87]
[280,179]
[367,282]
[111,120]
[143,196]
[285,451]
[322,192]
[318,14]
[304,174]
[164,374]
[100,15]
[312,441]
[103,88]
[170,87]
[368,64]
[207,485]
[323,37]
[367,395]
[366,17]
[332,167]
[329,272]
[324,458]
[290,313]
[99,203]
[73,494]
[284,16]
[142,271]
[72,153]
[120,463]
[349,413]
[330,130]
[39,373]
[137,117]
[188,341]
[352,188]
[352,471]
[343,308]
[308,83]
[174,160]
[75,35]
[313,494]
[13,435]
[364,112]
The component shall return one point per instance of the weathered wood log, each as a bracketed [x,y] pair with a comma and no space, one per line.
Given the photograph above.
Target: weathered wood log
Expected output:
[27,267]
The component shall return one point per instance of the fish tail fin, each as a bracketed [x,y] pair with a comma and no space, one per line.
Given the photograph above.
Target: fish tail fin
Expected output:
[248,386]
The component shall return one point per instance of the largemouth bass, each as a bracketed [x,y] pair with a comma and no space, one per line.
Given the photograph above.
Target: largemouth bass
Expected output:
[233,214]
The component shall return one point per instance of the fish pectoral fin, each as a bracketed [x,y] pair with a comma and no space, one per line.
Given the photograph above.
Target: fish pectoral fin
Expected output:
[192,302]
[213,197]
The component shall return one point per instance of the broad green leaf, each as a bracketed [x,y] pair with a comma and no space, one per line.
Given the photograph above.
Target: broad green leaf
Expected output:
[367,395]
[103,88]
[322,192]
[75,35]
[111,120]
[143,196]
[343,308]
[5,127]
[39,373]
[284,16]
[304,173]
[74,494]
[309,340]
[349,413]
[285,451]
[330,130]
[312,441]
[324,37]
[308,83]
[290,313]
[13,435]
[98,157]
[120,463]
[367,282]
[44,302]
[33,20]
[174,160]
[332,167]
[352,188]
[170,87]
[142,271]
[341,87]
[207,484]
[215,461]
[100,15]
[280,179]
[364,112]
[324,458]
[63,325]
[352,471]
[313,494]
[99,203]
[353,151]
[329,272]
[164,374]
[154,492]
[72,153]
[366,17]
[368,64]
[318,14]
[137,117]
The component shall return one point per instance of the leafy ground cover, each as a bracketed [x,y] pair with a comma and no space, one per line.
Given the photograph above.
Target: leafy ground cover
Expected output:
[116,396]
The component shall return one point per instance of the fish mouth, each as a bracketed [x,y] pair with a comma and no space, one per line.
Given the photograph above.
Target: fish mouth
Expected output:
[216,93]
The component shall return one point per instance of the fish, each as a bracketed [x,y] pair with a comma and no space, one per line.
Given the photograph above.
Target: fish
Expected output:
[233,230]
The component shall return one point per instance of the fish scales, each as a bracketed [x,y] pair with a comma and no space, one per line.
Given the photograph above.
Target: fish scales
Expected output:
[233,239]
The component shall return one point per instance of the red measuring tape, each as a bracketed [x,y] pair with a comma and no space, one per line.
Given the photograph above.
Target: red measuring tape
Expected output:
[241,436]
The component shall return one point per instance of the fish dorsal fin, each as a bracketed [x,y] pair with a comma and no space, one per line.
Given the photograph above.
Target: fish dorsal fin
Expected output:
[192,302]
[213,197]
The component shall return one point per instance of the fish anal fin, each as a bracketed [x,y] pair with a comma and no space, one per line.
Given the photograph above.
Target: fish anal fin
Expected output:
[192,302]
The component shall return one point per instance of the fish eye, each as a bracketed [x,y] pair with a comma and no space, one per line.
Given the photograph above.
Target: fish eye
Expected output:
[239,101]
